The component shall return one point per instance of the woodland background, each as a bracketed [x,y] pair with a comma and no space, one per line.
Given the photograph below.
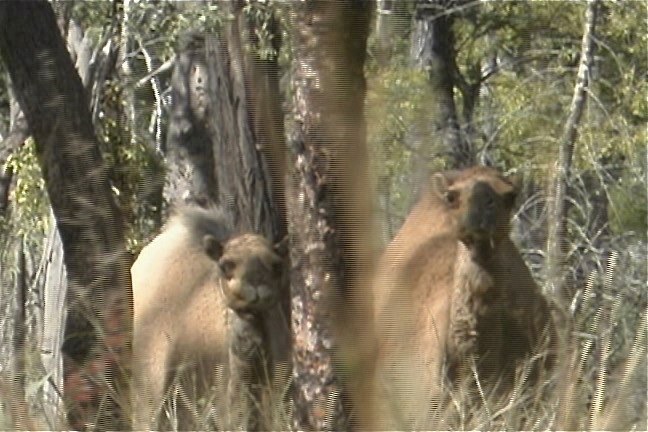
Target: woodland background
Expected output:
[219,102]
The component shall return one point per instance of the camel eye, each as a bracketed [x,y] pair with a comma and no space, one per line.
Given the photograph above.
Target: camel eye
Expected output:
[227,266]
[451,197]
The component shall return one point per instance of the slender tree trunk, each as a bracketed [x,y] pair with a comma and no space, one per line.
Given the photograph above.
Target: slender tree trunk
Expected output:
[557,237]
[391,20]
[99,298]
[329,207]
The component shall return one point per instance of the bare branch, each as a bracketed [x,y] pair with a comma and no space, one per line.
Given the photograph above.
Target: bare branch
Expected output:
[162,68]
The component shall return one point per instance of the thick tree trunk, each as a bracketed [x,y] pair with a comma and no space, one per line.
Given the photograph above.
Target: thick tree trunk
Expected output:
[6,178]
[100,300]
[432,49]
[248,133]
[20,319]
[328,207]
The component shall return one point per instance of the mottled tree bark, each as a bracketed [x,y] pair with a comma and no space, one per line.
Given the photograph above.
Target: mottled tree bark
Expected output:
[328,209]
[20,320]
[99,298]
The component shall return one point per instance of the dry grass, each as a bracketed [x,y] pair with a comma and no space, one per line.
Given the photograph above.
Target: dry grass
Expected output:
[583,393]
[593,388]
[221,410]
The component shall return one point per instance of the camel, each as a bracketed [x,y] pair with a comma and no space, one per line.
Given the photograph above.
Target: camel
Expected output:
[187,283]
[453,293]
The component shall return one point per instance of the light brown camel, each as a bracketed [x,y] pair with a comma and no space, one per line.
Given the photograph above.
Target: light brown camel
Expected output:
[186,282]
[452,292]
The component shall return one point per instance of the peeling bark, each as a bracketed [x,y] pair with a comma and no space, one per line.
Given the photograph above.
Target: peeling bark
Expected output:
[189,146]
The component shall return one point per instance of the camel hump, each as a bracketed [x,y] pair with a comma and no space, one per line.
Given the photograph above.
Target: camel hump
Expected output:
[200,222]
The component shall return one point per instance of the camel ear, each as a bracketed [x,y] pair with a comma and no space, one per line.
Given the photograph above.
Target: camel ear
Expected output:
[212,247]
[440,182]
[281,248]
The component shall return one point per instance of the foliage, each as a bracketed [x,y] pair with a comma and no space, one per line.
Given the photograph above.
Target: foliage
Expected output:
[629,206]
[29,196]
[395,104]
[137,171]
[526,54]
[158,23]
[261,17]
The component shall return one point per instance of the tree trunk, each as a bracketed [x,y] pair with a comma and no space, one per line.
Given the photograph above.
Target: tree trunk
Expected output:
[557,212]
[92,231]
[6,178]
[432,49]
[391,20]
[329,205]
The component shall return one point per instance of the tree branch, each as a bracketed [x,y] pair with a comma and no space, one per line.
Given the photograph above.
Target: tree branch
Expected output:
[162,68]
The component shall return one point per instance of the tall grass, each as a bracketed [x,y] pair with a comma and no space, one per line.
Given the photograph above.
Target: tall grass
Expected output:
[599,382]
